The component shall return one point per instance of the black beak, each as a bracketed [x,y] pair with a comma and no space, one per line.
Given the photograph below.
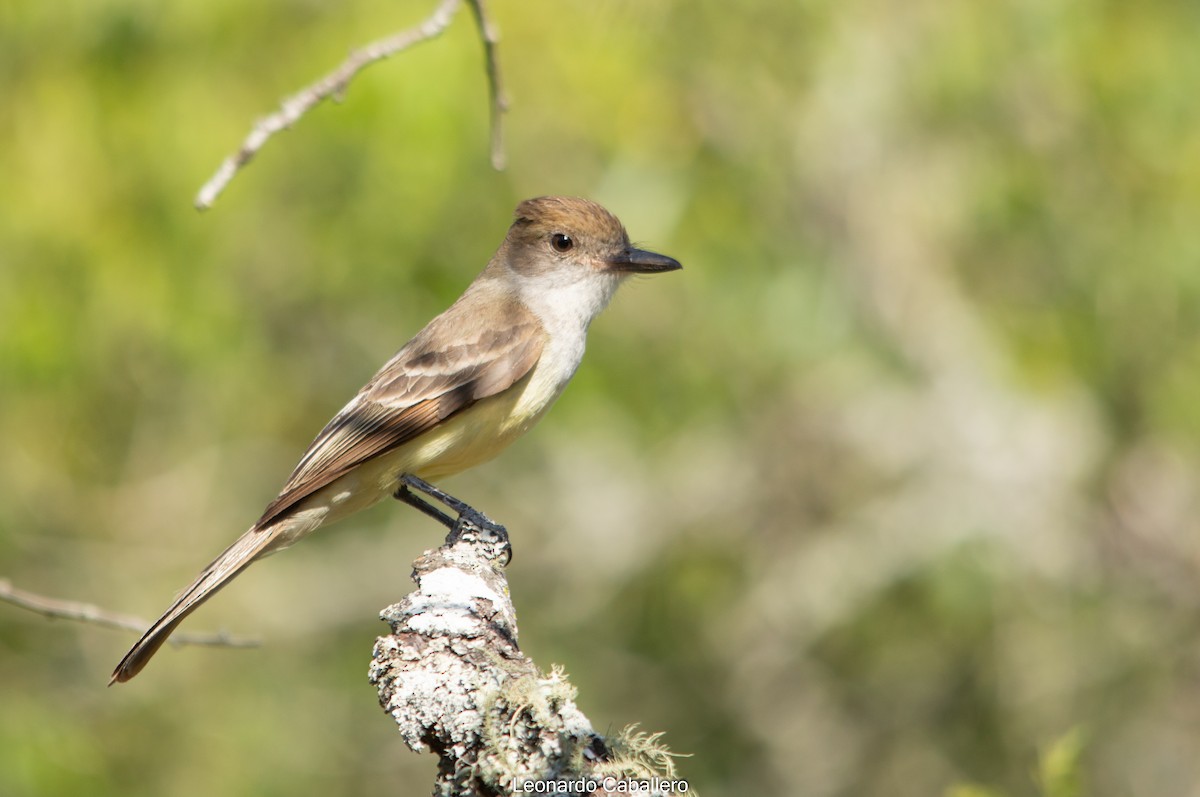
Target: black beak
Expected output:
[639,261]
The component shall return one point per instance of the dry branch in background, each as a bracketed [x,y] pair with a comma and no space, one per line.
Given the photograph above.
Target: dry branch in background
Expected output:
[335,83]
[90,613]
[454,680]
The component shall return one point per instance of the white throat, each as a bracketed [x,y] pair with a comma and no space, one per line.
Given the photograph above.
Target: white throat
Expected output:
[567,306]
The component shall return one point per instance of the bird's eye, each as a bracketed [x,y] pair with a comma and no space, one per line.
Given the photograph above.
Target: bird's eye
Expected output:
[561,243]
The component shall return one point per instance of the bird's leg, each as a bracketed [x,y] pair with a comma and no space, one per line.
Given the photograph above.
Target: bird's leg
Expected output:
[409,497]
[469,518]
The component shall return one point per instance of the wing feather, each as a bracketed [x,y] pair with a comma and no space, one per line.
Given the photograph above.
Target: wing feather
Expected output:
[421,387]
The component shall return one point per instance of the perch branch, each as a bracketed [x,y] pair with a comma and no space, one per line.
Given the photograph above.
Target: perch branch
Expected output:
[90,613]
[335,84]
[456,683]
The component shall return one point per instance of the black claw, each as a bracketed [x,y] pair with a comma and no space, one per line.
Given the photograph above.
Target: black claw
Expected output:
[471,524]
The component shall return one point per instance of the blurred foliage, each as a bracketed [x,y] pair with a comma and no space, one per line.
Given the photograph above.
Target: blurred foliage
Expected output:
[1059,771]
[892,486]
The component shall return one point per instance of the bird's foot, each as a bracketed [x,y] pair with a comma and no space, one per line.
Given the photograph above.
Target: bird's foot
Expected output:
[470,525]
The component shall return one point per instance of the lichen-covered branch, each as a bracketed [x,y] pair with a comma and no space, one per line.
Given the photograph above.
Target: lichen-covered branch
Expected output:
[453,678]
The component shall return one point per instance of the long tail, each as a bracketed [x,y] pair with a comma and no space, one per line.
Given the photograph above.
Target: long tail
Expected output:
[235,559]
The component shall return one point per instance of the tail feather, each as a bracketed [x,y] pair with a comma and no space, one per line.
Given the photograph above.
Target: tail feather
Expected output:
[236,558]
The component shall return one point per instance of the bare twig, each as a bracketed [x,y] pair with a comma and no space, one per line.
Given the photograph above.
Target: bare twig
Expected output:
[89,613]
[499,104]
[336,82]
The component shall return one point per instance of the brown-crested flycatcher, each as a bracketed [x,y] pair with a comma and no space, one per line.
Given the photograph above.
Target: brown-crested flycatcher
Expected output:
[473,380]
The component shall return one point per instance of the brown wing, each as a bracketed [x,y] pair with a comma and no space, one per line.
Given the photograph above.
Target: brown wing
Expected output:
[422,386]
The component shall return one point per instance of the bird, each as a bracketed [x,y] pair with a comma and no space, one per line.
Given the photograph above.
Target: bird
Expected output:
[474,379]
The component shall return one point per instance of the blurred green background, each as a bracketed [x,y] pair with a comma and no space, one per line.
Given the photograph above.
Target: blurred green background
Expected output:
[895,485]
